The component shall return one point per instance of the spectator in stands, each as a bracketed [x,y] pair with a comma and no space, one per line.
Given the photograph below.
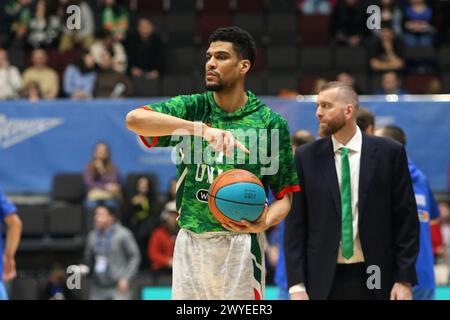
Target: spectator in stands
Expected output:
[434,86]
[162,241]
[390,84]
[143,218]
[417,24]
[31,91]
[39,72]
[110,83]
[318,85]
[300,137]
[101,178]
[10,78]
[56,287]
[387,51]
[17,16]
[44,28]
[105,42]
[391,15]
[114,18]
[349,23]
[365,121]
[112,256]
[83,37]
[312,7]
[172,194]
[145,51]
[349,79]
[428,216]
[8,215]
[79,78]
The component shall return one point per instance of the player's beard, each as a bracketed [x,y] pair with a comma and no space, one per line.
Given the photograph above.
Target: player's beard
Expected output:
[332,126]
[215,87]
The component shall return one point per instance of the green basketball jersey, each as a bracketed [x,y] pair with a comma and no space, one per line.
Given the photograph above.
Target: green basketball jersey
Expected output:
[262,131]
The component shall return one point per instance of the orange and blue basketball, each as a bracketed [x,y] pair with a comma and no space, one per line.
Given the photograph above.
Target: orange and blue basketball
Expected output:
[235,195]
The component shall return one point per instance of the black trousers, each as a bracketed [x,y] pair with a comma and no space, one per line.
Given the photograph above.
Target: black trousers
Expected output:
[350,283]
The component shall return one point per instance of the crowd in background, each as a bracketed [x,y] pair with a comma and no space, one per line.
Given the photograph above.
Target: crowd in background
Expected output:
[41,58]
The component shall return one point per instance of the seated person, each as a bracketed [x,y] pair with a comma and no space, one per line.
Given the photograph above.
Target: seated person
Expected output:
[143,215]
[162,241]
[145,51]
[417,24]
[390,84]
[101,179]
[110,83]
[79,78]
[46,77]
[387,51]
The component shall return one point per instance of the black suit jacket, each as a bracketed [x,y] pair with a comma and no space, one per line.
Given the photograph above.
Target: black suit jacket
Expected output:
[388,222]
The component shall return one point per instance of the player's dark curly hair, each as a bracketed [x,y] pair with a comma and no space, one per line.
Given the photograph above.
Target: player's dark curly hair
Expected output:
[242,41]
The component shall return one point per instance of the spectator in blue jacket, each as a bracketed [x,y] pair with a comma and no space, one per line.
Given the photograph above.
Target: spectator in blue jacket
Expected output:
[79,78]
[428,213]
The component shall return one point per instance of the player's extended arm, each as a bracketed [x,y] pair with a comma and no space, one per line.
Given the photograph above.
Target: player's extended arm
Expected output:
[156,124]
[13,233]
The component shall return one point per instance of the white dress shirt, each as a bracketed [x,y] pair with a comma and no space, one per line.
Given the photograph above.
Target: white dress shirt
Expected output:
[354,157]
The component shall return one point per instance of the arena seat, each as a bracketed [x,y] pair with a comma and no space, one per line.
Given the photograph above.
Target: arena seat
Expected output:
[144,87]
[207,23]
[250,6]
[352,59]
[65,221]
[183,5]
[314,30]
[180,60]
[177,84]
[282,28]
[68,187]
[214,6]
[277,82]
[181,27]
[281,58]
[256,84]
[282,6]
[24,289]
[444,58]
[315,59]
[417,83]
[34,220]
[150,6]
[253,23]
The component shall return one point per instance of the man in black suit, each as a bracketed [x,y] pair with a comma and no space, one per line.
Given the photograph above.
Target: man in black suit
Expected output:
[353,231]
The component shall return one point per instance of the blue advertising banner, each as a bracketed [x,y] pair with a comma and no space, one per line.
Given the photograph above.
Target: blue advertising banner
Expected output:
[40,139]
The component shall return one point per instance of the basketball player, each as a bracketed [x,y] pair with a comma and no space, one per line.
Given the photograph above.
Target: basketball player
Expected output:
[214,260]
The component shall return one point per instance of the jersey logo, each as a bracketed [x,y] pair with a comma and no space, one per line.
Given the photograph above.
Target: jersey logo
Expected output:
[421,200]
[424,216]
[202,195]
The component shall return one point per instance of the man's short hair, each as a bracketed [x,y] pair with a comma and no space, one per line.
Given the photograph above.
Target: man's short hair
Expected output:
[301,137]
[111,210]
[395,132]
[365,118]
[345,91]
[242,41]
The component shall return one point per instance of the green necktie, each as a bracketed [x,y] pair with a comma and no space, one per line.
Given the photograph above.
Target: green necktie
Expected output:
[346,205]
